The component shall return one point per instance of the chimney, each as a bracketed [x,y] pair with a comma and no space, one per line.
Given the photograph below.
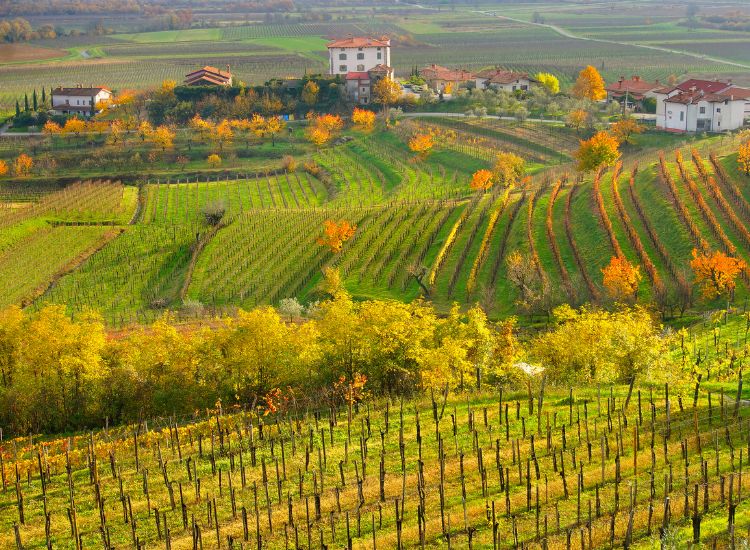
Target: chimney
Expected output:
[228,69]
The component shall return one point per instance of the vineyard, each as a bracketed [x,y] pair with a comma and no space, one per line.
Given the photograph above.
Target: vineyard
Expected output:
[130,251]
[493,469]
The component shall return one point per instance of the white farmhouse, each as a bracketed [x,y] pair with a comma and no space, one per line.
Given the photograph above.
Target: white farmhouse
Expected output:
[357,54]
[502,80]
[701,106]
[79,100]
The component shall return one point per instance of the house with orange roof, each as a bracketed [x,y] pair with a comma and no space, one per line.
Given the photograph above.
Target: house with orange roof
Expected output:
[631,91]
[358,54]
[441,78]
[209,76]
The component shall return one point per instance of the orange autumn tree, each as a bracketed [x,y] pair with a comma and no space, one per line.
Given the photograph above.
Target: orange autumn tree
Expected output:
[363,118]
[601,150]
[716,272]
[589,85]
[743,158]
[481,180]
[23,165]
[421,144]
[51,127]
[336,234]
[3,168]
[621,278]
[624,129]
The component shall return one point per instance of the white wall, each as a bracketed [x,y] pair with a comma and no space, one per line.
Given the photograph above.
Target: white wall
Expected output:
[79,101]
[352,63]
[483,83]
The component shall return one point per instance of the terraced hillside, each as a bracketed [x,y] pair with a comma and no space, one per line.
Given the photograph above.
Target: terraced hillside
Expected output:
[420,228]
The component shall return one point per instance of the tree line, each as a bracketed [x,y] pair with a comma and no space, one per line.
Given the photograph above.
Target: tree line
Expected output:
[60,374]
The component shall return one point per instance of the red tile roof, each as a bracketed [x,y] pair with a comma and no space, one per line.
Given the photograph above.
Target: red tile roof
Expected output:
[212,75]
[353,75]
[501,76]
[360,42]
[633,85]
[380,69]
[738,93]
[436,72]
[693,97]
[707,86]
[210,69]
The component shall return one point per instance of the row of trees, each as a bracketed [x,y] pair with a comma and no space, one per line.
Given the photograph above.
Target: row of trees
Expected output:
[57,374]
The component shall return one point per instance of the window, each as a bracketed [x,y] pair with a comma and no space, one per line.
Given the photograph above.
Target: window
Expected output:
[682,116]
[360,49]
[703,110]
[360,56]
[342,68]
[342,57]
[718,109]
[360,68]
[380,55]
[378,48]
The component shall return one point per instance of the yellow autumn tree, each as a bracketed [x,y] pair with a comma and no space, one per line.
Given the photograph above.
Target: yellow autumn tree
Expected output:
[548,81]
[214,160]
[602,149]
[387,93]
[578,118]
[509,168]
[273,126]
[163,137]
[716,272]
[145,130]
[743,158]
[22,165]
[222,134]
[481,180]
[589,85]
[364,119]
[74,126]
[310,93]
[621,278]
[3,168]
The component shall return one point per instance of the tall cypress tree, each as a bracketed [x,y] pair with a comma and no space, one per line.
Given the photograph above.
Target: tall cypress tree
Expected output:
[18,109]
[26,102]
[44,95]
[34,100]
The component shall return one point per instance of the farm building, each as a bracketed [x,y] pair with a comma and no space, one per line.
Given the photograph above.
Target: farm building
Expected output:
[507,81]
[631,90]
[443,79]
[79,100]
[209,76]
[359,83]
[701,106]
[357,54]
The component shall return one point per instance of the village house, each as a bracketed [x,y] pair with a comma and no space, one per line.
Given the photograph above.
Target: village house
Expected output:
[701,106]
[357,54]
[500,79]
[443,79]
[359,84]
[79,100]
[209,76]
[631,91]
